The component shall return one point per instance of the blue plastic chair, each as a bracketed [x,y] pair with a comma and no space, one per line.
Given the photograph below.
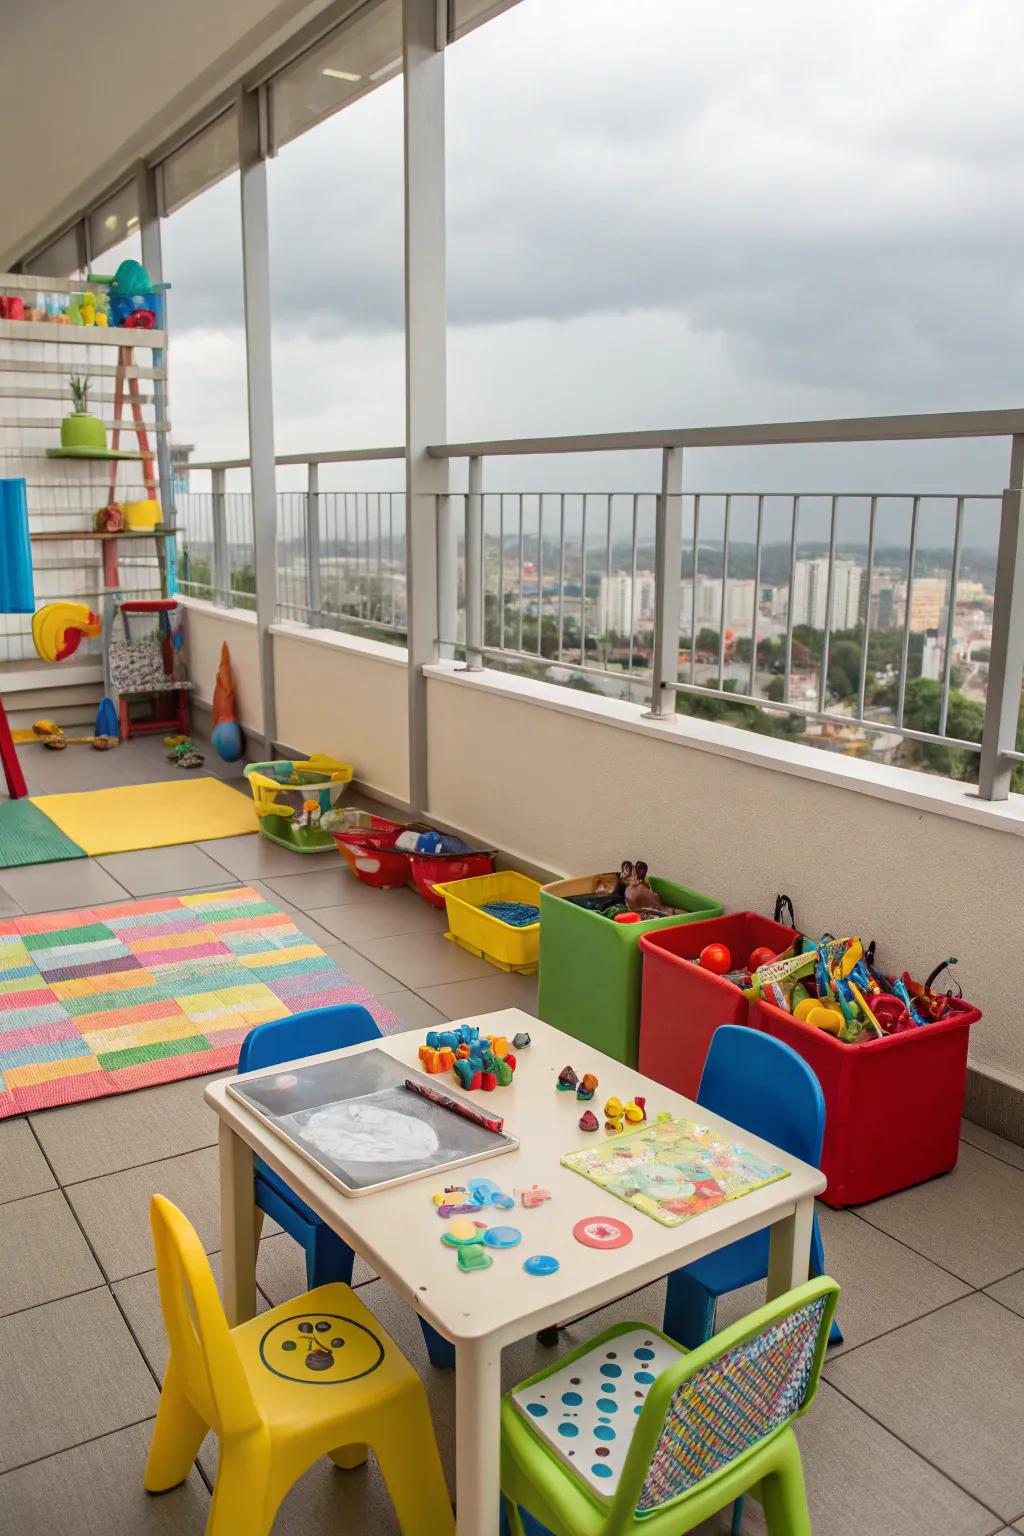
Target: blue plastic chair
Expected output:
[328,1259]
[763,1085]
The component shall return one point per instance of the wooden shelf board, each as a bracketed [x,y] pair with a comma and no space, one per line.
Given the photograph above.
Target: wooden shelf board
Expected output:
[52,424]
[81,335]
[57,392]
[96,370]
[129,533]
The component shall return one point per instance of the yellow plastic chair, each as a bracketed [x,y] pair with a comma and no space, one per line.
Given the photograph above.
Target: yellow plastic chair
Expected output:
[317,1376]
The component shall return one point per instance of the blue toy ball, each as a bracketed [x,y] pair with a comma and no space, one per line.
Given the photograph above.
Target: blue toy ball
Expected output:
[227,740]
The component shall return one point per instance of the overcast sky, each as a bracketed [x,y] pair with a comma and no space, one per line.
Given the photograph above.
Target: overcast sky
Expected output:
[659,213]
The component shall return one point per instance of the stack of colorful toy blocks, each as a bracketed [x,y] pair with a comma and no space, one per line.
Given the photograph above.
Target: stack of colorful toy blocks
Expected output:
[478,1061]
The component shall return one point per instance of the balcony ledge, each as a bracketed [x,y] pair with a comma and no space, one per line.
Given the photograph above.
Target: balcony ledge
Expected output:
[941,797]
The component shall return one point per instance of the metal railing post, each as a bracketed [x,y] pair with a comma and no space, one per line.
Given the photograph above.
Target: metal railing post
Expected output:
[313,597]
[221,574]
[447,580]
[668,551]
[475,566]
[1006,656]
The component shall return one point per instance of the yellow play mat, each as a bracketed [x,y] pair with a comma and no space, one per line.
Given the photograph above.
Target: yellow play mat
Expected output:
[150,815]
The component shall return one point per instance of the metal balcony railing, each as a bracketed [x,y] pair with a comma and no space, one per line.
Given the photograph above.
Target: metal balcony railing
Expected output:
[875,623]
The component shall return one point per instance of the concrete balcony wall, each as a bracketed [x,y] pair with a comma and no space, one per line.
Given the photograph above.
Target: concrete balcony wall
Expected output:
[347,697]
[206,628]
[577,783]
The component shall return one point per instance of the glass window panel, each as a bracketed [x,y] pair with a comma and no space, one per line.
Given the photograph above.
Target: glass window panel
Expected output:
[60,259]
[358,56]
[114,220]
[201,162]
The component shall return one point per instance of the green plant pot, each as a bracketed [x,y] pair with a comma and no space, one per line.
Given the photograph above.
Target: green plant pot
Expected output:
[82,430]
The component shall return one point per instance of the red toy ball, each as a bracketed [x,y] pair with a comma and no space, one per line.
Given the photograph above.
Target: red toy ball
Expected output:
[762,955]
[716,958]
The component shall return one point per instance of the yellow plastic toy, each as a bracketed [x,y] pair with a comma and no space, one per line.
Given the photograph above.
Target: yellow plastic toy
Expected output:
[260,1388]
[613,1113]
[57,629]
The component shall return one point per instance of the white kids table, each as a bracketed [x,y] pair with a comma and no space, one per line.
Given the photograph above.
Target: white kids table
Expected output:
[397,1231]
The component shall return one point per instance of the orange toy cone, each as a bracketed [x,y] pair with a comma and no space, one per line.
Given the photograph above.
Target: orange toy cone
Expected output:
[226,734]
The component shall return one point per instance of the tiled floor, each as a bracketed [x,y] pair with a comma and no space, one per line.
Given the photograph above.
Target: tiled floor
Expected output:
[915,1430]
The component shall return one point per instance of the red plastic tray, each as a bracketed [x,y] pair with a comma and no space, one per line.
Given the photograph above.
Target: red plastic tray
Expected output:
[428,869]
[681,1005]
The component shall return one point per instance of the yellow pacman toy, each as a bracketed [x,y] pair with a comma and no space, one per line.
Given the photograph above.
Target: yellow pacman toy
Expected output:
[57,629]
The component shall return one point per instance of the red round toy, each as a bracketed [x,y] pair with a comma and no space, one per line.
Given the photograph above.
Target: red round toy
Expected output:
[762,955]
[627,917]
[716,958]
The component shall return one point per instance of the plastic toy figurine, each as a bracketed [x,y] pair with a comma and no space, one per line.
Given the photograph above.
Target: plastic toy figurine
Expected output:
[642,898]
[567,1080]
[587,1086]
[635,1111]
[589,1121]
[535,1195]
[613,1113]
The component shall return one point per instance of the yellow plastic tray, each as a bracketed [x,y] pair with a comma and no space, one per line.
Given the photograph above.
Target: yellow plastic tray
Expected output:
[510,949]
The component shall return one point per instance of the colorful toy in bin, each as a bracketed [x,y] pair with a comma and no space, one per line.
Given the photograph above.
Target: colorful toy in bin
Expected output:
[281,791]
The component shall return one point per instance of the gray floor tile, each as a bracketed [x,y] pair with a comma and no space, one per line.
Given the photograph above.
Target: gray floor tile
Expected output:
[253,857]
[356,964]
[115,1210]
[396,912]
[154,871]
[883,1283]
[96,1489]
[74,1372]
[948,1385]
[483,994]
[302,920]
[44,1255]
[23,1168]
[970,1221]
[414,1011]
[1009,1292]
[281,1269]
[988,1141]
[141,1302]
[8,906]
[85,1141]
[328,883]
[422,960]
[68,886]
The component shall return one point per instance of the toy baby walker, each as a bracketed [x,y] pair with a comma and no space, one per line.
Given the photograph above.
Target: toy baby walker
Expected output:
[483,1062]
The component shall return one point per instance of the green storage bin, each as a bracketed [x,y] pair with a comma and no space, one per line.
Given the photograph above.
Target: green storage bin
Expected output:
[591,967]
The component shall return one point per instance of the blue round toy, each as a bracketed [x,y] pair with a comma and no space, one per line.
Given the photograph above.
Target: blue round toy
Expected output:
[502,1237]
[541,1264]
[227,740]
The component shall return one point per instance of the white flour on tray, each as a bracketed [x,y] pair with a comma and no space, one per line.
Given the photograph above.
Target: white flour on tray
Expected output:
[361,1132]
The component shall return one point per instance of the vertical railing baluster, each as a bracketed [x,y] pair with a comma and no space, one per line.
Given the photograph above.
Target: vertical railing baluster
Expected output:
[313,593]
[757,589]
[522,556]
[540,570]
[723,608]
[954,577]
[794,536]
[475,565]
[561,572]
[830,589]
[905,648]
[632,593]
[668,553]
[583,584]
[865,642]
[218,512]
[693,589]
[1006,656]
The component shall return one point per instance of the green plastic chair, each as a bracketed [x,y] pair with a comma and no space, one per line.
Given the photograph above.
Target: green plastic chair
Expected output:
[711,1428]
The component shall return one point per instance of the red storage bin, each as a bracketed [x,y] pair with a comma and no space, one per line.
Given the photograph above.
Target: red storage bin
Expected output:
[373,858]
[442,868]
[682,1005]
[892,1106]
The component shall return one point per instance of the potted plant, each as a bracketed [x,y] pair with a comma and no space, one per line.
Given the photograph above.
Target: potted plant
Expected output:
[80,430]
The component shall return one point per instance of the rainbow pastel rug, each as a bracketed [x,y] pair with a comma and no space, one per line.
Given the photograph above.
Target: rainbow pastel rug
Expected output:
[123,997]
